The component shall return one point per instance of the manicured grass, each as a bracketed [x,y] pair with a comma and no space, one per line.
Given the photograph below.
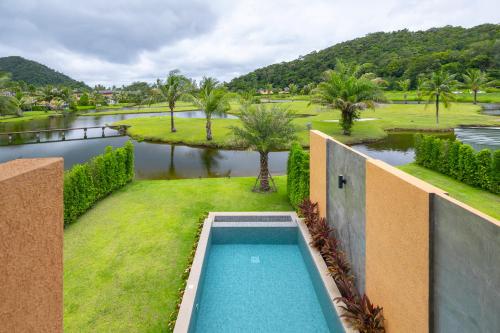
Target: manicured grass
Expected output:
[483,201]
[181,106]
[464,97]
[123,259]
[28,115]
[388,117]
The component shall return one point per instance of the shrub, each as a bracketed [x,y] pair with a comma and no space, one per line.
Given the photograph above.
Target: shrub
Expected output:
[297,175]
[359,311]
[459,161]
[85,184]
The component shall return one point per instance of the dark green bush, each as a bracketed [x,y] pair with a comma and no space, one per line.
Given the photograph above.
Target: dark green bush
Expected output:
[460,161]
[85,184]
[297,175]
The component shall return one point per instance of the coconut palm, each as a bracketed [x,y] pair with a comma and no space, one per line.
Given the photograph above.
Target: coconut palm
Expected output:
[438,88]
[265,130]
[346,90]
[475,79]
[404,85]
[211,99]
[174,87]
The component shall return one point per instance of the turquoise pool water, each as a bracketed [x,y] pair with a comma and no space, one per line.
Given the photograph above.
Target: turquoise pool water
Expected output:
[261,280]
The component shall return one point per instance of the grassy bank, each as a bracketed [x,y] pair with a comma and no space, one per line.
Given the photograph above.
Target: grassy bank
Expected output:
[29,115]
[483,201]
[387,117]
[154,108]
[123,259]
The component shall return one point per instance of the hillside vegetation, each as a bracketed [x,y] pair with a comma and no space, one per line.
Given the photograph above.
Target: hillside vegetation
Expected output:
[391,55]
[35,73]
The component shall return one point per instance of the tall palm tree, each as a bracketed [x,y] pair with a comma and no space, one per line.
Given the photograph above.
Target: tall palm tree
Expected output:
[265,130]
[346,90]
[174,87]
[474,80]
[404,85]
[212,99]
[438,88]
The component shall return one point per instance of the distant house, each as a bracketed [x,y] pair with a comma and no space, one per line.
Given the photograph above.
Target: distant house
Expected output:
[7,93]
[265,92]
[109,95]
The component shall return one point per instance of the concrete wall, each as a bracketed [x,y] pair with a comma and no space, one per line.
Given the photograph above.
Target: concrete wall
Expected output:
[31,245]
[346,206]
[397,246]
[318,179]
[466,268]
[430,261]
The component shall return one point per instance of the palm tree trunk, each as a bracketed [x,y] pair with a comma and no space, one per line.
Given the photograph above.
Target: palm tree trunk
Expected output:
[437,110]
[475,96]
[405,96]
[264,172]
[209,129]
[172,125]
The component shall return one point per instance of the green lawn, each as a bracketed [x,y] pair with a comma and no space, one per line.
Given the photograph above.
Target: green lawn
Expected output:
[409,117]
[161,107]
[464,97]
[28,115]
[484,201]
[123,259]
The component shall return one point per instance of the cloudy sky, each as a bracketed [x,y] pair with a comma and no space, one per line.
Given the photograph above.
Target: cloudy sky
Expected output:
[118,42]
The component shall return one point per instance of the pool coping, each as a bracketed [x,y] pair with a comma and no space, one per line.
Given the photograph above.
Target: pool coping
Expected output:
[189,297]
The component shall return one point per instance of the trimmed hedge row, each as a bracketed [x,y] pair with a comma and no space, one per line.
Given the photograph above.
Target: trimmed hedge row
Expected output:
[85,184]
[297,175]
[459,161]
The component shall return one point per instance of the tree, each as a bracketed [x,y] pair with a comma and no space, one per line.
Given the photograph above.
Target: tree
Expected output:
[8,104]
[438,88]
[404,85]
[475,79]
[58,104]
[292,90]
[265,130]
[420,87]
[175,86]
[346,90]
[211,99]
[306,90]
[84,100]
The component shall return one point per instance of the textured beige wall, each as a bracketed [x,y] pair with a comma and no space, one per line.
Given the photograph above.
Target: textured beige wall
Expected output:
[318,175]
[397,246]
[31,245]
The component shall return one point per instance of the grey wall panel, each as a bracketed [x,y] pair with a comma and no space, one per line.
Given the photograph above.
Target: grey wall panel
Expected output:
[346,206]
[466,270]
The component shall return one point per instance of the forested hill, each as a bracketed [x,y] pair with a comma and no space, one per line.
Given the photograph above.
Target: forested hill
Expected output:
[35,73]
[392,55]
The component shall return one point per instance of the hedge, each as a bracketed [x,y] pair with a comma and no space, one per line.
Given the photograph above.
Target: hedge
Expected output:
[297,175]
[459,161]
[85,184]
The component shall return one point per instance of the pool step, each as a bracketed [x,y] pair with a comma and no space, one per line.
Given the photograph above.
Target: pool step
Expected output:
[249,219]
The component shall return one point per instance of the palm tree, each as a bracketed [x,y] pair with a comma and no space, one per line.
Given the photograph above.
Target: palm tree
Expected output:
[404,85]
[292,90]
[474,80]
[265,130]
[420,87]
[175,86]
[346,90]
[212,99]
[438,88]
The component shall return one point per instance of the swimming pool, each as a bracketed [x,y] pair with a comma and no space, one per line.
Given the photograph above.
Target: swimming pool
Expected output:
[257,273]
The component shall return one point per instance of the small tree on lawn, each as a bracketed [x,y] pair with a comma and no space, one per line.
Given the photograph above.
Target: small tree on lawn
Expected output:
[174,87]
[265,130]
[212,99]
[475,79]
[292,90]
[438,88]
[345,89]
[404,85]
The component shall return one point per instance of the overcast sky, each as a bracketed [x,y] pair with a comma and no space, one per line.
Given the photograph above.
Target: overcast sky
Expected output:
[118,42]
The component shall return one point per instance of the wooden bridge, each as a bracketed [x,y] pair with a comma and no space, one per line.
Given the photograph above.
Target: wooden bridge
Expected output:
[121,131]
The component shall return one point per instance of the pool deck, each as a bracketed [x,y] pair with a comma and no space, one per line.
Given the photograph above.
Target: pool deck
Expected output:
[249,219]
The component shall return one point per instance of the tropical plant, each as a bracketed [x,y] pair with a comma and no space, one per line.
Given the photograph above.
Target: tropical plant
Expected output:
[363,315]
[308,88]
[173,89]
[292,90]
[475,79]
[212,99]
[420,87]
[404,85]
[345,89]
[8,104]
[438,88]
[265,129]
[58,104]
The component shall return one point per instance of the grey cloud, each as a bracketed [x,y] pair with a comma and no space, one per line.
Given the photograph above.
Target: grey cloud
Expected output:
[116,31]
